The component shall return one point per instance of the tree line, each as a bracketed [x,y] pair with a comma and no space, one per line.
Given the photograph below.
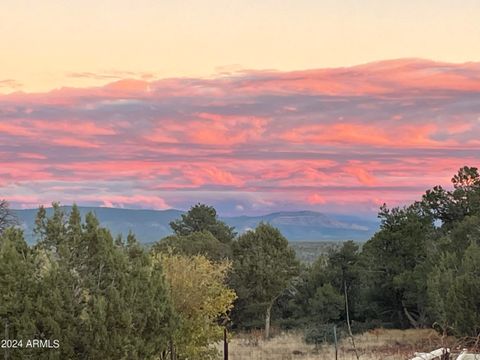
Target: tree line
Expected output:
[112,298]
[421,269]
[107,298]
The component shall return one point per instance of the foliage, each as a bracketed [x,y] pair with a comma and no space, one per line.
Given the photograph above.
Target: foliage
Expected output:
[99,298]
[454,285]
[419,270]
[196,243]
[7,216]
[202,218]
[111,299]
[323,333]
[452,206]
[200,298]
[394,262]
[326,304]
[16,284]
[264,267]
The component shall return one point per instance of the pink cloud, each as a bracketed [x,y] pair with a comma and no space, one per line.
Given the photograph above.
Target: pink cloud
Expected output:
[356,133]
[81,127]
[73,142]
[161,136]
[15,130]
[24,171]
[33,156]
[459,127]
[314,138]
[362,175]
[204,174]
[316,199]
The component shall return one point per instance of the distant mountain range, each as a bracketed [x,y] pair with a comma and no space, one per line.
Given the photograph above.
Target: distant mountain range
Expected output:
[152,225]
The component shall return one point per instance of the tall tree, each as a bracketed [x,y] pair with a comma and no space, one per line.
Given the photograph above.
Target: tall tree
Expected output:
[463,296]
[196,243]
[453,287]
[451,206]
[16,288]
[344,273]
[7,216]
[105,299]
[51,230]
[264,267]
[200,298]
[201,218]
[394,263]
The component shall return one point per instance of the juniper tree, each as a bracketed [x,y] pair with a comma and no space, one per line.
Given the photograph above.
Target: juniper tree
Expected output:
[264,266]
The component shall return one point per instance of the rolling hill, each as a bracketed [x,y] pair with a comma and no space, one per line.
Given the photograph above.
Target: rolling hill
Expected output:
[152,225]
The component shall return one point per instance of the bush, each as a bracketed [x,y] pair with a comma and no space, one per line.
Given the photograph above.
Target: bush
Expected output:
[323,334]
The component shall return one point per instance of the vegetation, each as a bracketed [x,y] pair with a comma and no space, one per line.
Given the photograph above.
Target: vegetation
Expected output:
[200,297]
[308,252]
[199,232]
[203,218]
[109,298]
[378,344]
[264,266]
[421,269]
[7,217]
[105,298]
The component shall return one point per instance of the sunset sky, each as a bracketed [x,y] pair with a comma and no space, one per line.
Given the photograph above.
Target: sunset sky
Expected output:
[251,106]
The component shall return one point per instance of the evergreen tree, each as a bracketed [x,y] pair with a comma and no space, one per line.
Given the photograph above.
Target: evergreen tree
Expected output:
[264,267]
[16,286]
[7,216]
[394,262]
[202,218]
[196,243]
[104,300]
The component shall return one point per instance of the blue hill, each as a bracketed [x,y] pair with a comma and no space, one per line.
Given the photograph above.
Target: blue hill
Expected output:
[152,225]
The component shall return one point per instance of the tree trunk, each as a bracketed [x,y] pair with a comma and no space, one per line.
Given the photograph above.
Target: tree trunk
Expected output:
[225,344]
[173,356]
[348,319]
[410,317]
[267,321]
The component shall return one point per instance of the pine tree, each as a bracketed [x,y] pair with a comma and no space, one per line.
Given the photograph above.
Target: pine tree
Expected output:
[264,266]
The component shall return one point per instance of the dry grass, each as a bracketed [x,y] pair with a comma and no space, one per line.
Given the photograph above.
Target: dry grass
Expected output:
[374,345]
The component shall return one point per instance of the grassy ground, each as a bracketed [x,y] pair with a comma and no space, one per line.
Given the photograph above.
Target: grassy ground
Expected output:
[374,345]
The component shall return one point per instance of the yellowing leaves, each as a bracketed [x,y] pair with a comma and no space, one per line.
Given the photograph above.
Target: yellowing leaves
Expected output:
[201,299]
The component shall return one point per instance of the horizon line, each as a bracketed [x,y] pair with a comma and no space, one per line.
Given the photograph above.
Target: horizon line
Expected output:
[174,209]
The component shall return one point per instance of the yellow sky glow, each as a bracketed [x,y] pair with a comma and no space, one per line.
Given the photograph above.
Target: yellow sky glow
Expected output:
[51,43]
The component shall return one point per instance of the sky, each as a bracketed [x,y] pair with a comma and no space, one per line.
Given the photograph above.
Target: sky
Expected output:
[251,106]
